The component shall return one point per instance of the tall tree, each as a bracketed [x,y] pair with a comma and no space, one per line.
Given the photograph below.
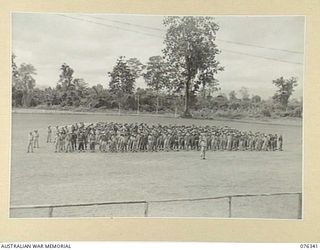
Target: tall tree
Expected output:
[66,76]
[16,94]
[135,66]
[122,80]
[24,82]
[156,76]
[190,48]
[71,89]
[15,73]
[285,90]
[80,86]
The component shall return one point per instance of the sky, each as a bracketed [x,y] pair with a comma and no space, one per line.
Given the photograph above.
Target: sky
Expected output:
[254,49]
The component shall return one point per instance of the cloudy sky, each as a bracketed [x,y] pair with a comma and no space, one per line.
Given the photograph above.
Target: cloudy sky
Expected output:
[254,50]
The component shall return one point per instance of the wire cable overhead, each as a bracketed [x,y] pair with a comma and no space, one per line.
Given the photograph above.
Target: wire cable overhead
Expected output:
[159,36]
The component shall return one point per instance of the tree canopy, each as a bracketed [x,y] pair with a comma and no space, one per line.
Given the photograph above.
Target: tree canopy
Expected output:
[190,48]
[122,78]
[285,90]
[23,83]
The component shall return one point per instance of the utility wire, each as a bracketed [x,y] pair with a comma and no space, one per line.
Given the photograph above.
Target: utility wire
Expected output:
[218,39]
[121,22]
[262,57]
[148,34]
[261,47]
[107,25]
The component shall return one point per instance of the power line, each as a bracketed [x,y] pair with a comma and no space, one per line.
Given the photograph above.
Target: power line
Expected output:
[218,39]
[121,22]
[107,25]
[263,57]
[261,47]
[148,34]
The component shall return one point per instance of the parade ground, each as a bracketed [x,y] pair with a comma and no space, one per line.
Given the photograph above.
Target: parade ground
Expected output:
[185,183]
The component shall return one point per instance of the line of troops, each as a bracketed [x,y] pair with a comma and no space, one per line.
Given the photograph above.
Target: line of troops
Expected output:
[133,137]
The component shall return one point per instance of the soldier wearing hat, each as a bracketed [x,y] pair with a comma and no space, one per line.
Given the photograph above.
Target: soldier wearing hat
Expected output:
[36,139]
[81,140]
[30,142]
[49,135]
[203,146]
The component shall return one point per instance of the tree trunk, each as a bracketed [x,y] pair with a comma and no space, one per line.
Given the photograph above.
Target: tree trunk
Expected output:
[187,113]
[204,91]
[157,104]
[25,99]
[138,107]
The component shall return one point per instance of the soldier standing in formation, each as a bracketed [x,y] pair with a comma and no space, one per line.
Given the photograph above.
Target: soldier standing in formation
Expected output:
[117,137]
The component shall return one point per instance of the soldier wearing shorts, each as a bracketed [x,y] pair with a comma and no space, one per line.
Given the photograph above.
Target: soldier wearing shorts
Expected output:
[73,141]
[68,139]
[203,146]
[92,141]
[57,142]
[280,142]
[30,143]
[36,139]
[81,139]
[49,134]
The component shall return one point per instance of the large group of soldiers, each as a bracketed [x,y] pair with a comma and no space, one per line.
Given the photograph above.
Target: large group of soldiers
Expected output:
[134,137]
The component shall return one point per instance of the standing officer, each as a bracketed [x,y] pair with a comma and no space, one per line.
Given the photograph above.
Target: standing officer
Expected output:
[203,146]
[49,134]
[280,142]
[30,143]
[36,139]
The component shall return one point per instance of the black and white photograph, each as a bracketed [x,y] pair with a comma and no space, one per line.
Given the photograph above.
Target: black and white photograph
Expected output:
[126,115]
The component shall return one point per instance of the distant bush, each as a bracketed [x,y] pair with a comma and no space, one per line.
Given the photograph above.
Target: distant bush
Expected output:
[266,112]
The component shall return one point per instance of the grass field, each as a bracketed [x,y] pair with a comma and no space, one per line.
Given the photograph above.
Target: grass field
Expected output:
[48,178]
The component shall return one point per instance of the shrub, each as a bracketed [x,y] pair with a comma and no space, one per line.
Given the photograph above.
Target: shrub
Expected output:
[266,112]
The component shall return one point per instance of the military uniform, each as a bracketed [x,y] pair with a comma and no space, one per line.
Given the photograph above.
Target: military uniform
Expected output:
[36,139]
[203,147]
[49,134]
[30,143]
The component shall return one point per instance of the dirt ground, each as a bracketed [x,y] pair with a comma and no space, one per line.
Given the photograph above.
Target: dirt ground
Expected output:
[45,177]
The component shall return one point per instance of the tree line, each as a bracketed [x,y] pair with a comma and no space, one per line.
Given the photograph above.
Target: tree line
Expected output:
[182,79]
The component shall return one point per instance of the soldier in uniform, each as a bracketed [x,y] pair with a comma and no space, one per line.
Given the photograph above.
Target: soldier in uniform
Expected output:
[57,142]
[280,142]
[186,141]
[81,139]
[229,141]
[203,146]
[68,139]
[150,142]
[73,141]
[92,141]
[30,143]
[166,142]
[36,139]
[49,134]
[103,142]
